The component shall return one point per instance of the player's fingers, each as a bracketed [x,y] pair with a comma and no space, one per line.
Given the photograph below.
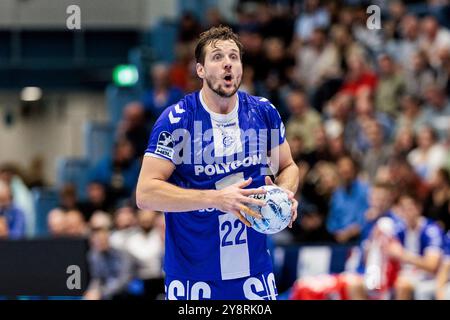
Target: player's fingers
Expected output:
[268,180]
[294,217]
[294,212]
[245,183]
[289,193]
[294,205]
[256,202]
[249,211]
[249,192]
[242,218]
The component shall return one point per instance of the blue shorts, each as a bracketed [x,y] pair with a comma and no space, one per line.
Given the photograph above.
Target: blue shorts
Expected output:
[258,287]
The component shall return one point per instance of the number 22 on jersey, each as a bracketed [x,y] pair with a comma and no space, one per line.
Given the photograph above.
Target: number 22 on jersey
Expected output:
[234,255]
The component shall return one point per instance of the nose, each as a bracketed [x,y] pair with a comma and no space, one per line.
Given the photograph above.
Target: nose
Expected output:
[227,63]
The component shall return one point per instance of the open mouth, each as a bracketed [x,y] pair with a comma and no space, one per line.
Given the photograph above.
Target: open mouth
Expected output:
[228,79]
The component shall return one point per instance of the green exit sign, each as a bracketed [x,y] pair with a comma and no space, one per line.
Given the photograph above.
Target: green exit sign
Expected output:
[125,75]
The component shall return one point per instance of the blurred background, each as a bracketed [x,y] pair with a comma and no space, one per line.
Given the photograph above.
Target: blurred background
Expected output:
[361,107]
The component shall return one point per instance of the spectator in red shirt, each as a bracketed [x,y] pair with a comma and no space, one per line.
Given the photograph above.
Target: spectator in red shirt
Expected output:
[358,76]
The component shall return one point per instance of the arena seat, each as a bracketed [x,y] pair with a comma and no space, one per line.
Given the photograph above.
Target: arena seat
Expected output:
[142,57]
[5,47]
[117,98]
[45,199]
[75,171]
[98,140]
[162,39]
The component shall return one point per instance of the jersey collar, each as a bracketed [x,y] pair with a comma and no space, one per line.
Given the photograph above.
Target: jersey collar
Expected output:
[218,116]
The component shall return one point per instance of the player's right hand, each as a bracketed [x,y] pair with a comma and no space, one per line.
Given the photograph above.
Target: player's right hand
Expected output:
[235,198]
[395,250]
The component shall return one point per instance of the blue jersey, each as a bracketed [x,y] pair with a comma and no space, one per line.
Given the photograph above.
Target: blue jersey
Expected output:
[427,236]
[447,245]
[256,287]
[366,232]
[212,151]
[399,227]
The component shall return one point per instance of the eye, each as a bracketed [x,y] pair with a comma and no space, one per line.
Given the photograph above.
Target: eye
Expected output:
[217,57]
[234,56]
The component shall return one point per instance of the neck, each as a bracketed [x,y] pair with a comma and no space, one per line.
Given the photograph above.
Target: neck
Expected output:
[160,86]
[348,184]
[413,113]
[415,223]
[319,47]
[217,103]
[300,114]
[377,145]
[425,148]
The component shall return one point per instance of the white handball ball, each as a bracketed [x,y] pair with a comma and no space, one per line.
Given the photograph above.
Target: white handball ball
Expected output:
[276,214]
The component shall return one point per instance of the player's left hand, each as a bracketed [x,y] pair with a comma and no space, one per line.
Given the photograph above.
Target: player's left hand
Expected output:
[291,197]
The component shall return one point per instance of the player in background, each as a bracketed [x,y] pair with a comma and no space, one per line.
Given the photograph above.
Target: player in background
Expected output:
[421,252]
[439,287]
[375,271]
[211,251]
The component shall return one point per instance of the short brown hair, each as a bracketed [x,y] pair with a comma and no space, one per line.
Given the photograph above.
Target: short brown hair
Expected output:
[388,186]
[410,196]
[213,35]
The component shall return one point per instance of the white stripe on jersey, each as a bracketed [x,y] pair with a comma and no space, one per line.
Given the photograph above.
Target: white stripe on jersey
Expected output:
[234,258]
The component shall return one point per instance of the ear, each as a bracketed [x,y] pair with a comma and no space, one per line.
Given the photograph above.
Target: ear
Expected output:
[200,70]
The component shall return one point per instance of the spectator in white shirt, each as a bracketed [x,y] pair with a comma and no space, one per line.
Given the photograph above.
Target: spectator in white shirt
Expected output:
[434,38]
[436,114]
[429,156]
[409,43]
[146,246]
[125,225]
[313,16]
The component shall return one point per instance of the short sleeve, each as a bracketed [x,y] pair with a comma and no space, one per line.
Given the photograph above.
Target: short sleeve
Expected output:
[400,230]
[447,245]
[433,237]
[161,143]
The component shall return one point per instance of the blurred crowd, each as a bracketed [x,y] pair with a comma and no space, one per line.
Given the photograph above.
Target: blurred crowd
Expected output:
[361,107]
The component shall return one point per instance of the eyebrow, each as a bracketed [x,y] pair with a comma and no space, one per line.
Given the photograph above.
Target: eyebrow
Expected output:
[217,49]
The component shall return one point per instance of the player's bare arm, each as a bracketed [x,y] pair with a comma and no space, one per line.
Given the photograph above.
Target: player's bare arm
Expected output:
[288,176]
[155,193]
[429,262]
[442,278]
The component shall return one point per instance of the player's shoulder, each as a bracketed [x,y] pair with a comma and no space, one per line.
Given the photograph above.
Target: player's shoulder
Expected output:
[178,113]
[447,238]
[261,106]
[431,225]
[447,241]
[399,223]
[184,106]
[432,229]
[261,103]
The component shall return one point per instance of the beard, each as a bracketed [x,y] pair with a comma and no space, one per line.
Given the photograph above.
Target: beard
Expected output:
[220,91]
